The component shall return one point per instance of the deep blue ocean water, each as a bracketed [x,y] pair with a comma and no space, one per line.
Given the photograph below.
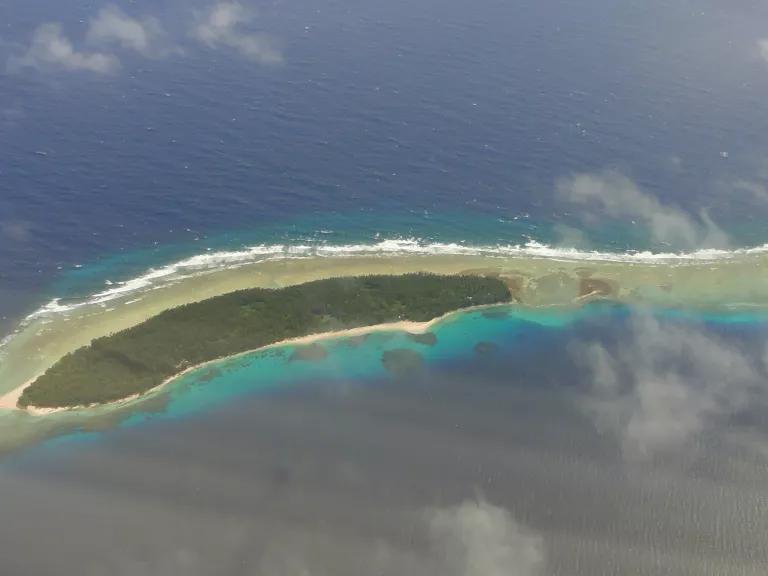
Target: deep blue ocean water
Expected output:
[441,120]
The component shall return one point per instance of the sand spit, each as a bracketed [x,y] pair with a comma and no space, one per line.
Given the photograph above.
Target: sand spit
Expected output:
[534,282]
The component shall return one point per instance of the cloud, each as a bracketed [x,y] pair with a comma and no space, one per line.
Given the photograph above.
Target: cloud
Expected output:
[762,46]
[51,48]
[478,539]
[619,197]
[665,385]
[222,25]
[113,26]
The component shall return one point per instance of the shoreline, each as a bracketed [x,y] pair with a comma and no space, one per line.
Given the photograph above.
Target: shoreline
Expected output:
[9,401]
[534,282]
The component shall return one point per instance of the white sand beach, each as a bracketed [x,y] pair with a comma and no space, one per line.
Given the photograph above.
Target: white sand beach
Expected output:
[534,282]
[10,400]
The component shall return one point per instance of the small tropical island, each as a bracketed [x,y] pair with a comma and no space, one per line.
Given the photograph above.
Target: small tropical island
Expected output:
[132,362]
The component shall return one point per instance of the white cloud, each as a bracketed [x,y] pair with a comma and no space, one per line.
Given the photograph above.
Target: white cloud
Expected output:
[619,197]
[665,385]
[222,25]
[478,539]
[112,25]
[762,46]
[51,48]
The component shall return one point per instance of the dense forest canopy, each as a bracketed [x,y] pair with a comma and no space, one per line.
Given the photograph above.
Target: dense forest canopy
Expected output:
[140,358]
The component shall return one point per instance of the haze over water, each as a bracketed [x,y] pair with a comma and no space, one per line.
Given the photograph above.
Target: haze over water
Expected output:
[338,467]
[182,138]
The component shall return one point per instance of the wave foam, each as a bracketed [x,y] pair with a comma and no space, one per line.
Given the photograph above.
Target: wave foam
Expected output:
[212,261]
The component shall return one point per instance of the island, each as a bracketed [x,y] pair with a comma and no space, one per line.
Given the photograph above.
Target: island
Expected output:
[134,361]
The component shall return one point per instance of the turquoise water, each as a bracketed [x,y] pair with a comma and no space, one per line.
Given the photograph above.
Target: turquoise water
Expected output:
[347,359]
[333,229]
[346,231]
[435,122]
[501,332]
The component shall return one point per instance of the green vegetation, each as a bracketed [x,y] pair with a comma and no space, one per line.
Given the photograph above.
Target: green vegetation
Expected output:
[140,358]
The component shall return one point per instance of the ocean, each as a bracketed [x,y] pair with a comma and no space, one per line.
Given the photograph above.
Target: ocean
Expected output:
[276,465]
[602,439]
[434,121]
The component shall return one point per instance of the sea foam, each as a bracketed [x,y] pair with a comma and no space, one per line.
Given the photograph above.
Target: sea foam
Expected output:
[222,260]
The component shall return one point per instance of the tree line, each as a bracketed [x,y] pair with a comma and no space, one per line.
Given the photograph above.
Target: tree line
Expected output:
[140,358]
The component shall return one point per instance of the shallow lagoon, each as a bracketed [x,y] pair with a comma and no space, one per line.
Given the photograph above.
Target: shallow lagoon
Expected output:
[273,464]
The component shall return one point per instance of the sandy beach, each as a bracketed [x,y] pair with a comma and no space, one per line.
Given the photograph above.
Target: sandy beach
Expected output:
[534,282]
[10,400]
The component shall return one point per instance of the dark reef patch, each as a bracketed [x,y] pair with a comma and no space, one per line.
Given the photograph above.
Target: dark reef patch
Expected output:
[596,287]
[402,362]
[427,338]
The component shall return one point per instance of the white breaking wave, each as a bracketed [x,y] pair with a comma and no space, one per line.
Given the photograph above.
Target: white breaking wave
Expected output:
[5,341]
[215,261]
